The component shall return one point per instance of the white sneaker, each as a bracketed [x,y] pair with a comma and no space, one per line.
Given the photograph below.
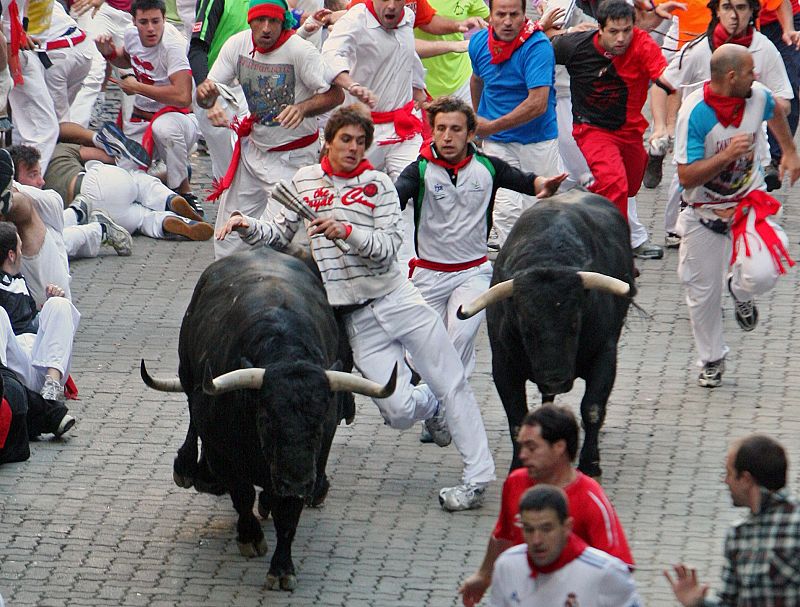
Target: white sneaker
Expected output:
[462,497]
[437,427]
[65,426]
[53,390]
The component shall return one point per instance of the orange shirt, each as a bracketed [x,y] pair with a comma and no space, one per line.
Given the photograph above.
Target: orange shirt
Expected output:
[423,11]
[770,15]
[692,22]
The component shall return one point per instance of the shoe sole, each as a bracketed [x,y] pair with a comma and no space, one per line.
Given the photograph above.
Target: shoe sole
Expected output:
[705,383]
[130,149]
[197,232]
[67,427]
[658,255]
[180,206]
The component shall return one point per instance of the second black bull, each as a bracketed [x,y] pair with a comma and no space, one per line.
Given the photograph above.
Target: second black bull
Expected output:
[560,292]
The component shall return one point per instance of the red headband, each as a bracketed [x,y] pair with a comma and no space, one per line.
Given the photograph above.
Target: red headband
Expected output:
[266,10]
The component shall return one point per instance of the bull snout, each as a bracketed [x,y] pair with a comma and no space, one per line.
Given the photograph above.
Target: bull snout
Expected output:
[556,386]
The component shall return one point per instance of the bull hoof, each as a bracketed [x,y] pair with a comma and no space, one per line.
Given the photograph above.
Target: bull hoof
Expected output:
[284,582]
[184,482]
[253,549]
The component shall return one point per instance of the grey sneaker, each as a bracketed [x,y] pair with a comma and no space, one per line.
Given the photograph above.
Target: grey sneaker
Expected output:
[425,437]
[53,390]
[648,250]
[462,497]
[82,209]
[746,312]
[711,375]
[65,426]
[114,234]
[437,426]
[672,240]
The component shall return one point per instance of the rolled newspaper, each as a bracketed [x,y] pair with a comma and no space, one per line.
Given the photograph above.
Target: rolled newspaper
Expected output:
[287,198]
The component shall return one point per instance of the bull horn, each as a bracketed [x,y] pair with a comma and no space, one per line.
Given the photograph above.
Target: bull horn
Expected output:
[499,292]
[241,379]
[601,282]
[347,382]
[163,384]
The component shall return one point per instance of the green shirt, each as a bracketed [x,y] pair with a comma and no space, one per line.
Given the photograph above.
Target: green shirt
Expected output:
[218,20]
[447,73]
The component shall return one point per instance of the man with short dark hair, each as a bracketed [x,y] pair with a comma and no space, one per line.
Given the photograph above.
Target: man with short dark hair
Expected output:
[610,70]
[762,552]
[162,87]
[513,95]
[554,566]
[548,444]
[383,312]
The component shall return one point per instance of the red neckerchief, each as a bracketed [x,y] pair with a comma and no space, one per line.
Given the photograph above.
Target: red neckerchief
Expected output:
[763,205]
[242,128]
[500,50]
[364,165]
[18,39]
[574,548]
[428,152]
[285,35]
[729,110]
[5,421]
[721,36]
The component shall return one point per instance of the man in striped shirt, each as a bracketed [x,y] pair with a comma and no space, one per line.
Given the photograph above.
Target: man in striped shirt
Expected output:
[385,314]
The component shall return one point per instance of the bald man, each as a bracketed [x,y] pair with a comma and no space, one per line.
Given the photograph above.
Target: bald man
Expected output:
[718,134]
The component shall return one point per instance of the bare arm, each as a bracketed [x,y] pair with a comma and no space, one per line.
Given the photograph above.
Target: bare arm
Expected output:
[474,587]
[532,107]
[177,93]
[433,48]
[701,171]
[117,57]
[475,91]
[658,105]
[442,25]
[790,162]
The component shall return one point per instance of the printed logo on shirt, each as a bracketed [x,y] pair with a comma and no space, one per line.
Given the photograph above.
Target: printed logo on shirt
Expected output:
[353,196]
[197,27]
[138,67]
[412,6]
[370,190]
[572,600]
[438,187]
[322,198]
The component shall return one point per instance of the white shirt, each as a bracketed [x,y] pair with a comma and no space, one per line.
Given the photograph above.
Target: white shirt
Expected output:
[594,579]
[271,81]
[375,57]
[691,67]
[155,64]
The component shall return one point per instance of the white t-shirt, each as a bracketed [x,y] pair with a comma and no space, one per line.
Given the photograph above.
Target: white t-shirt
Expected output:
[699,135]
[155,64]
[691,67]
[50,265]
[271,81]
[376,57]
[594,579]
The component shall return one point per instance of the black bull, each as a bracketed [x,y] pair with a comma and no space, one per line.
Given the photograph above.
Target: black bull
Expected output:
[553,326]
[261,322]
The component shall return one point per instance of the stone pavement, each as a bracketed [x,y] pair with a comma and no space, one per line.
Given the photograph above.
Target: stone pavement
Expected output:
[95,519]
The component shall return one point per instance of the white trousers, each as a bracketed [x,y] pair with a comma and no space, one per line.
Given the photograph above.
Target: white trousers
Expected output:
[220,140]
[32,109]
[702,267]
[639,233]
[65,77]
[258,173]
[445,292]
[29,355]
[108,20]
[174,136]
[673,206]
[541,158]
[134,199]
[400,321]
[83,241]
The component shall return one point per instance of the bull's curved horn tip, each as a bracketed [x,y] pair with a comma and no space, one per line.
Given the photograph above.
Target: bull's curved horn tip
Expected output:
[460,315]
[145,375]
[388,389]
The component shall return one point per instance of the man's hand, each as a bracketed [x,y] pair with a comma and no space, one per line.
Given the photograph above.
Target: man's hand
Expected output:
[363,94]
[216,116]
[421,100]
[316,20]
[687,589]
[740,146]
[791,38]
[105,44]
[484,128]
[472,23]
[53,291]
[547,186]
[665,9]
[790,164]
[129,86]
[290,117]
[549,18]
[330,228]
[235,222]
[79,7]
[473,589]
[206,94]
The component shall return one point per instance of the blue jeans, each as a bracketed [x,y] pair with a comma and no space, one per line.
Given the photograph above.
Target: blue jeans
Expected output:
[791,59]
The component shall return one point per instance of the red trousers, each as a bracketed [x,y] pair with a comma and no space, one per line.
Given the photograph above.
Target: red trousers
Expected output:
[617,160]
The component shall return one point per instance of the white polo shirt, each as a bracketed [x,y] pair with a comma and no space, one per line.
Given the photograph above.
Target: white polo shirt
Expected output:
[594,579]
